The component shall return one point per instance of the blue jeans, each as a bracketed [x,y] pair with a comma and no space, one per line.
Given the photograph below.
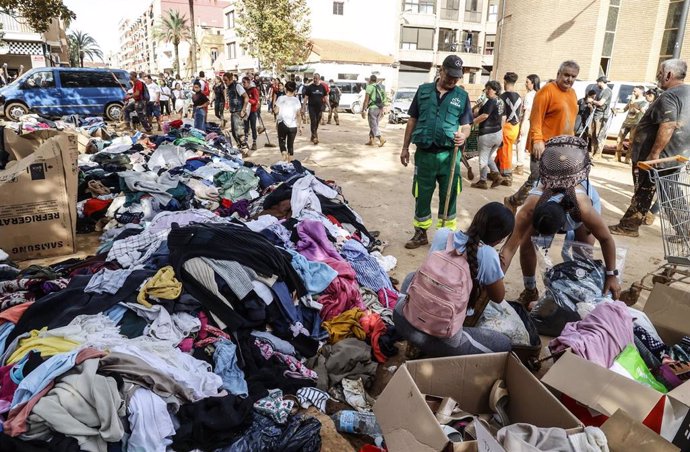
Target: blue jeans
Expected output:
[200,119]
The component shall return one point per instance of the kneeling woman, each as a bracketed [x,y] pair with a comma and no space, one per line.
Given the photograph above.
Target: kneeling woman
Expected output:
[492,223]
[564,202]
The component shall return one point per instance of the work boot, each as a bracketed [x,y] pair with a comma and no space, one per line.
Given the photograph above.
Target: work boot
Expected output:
[508,202]
[482,184]
[496,179]
[370,142]
[649,219]
[528,296]
[254,146]
[507,180]
[418,239]
[518,170]
[382,141]
[627,231]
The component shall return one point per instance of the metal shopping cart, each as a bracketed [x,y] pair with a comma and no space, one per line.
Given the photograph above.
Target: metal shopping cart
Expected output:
[673,192]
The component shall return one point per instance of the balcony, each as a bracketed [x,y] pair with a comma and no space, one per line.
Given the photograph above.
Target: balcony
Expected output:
[473,16]
[17,30]
[449,14]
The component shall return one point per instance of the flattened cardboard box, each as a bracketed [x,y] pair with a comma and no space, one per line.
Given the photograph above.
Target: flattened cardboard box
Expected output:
[607,392]
[408,424]
[38,195]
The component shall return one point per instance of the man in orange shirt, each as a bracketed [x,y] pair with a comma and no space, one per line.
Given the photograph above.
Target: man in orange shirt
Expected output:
[553,113]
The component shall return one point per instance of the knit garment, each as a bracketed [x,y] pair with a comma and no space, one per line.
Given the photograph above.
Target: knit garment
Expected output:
[345,325]
[162,285]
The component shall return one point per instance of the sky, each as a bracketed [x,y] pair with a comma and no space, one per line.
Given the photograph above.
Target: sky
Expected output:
[99,18]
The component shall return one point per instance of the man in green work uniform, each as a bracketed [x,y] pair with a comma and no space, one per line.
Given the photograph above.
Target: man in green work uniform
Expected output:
[440,118]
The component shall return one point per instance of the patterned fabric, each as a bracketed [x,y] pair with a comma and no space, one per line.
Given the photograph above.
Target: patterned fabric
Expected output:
[274,406]
[297,368]
[657,348]
[367,268]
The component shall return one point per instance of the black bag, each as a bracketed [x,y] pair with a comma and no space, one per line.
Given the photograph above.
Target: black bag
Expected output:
[380,97]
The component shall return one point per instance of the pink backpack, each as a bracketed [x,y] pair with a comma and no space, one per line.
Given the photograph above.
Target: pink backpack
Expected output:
[439,293]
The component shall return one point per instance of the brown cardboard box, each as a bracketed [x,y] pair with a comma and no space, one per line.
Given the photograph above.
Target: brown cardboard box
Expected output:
[38,195]
[408,424]
[625,434]
[607,392]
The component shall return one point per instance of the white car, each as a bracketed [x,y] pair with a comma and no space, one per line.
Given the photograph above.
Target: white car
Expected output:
[402,99]
[352,96]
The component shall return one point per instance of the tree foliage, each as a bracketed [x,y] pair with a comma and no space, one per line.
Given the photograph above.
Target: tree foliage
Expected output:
[275,32]
[38,13]
[174,29]
[82,45]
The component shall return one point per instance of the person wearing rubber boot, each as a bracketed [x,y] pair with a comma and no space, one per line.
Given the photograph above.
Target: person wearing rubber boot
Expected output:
[564,202]
[663,131]
[553,113]
[440,118]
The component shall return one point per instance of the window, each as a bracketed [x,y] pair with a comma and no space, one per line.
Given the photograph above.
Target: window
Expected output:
[447,40]
[87,79]
[473,10]
[493,11]
[43,79]
[345,88]
[230,19]
[417,38]
[231,50]
[625,93]
[338,8]
[473,78]
[214,54]
[609,37]
[668,42]
[489,43]
[347,76]
[470,39]
[419,6]
[450,9]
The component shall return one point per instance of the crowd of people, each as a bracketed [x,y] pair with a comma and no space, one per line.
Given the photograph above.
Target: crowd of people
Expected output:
[241,97]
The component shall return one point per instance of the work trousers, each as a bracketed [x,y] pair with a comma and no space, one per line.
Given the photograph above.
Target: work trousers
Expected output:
[237,129]
[432,168]
[333,113]
[597,135]
[625,130]
[374,116]
[505,153]
[140,107]
[251,122]
[286,138]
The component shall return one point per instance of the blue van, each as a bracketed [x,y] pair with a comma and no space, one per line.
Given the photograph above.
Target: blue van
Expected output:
[54,91]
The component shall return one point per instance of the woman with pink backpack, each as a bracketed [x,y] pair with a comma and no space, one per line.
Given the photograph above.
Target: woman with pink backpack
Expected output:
[443,292]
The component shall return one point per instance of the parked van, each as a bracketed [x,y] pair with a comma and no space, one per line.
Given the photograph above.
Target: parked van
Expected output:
[54,92]
[621,94]
[352,95]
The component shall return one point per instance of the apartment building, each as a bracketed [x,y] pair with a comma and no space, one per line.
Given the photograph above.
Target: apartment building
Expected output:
[23,47]
[430,30]
[139,50]
[622,39]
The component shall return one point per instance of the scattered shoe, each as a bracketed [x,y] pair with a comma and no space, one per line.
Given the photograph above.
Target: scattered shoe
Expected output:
[508,202]
[482,184]
[649,219]
[418,239]
[498,401]
[620,230]
[382,141]
[528,296]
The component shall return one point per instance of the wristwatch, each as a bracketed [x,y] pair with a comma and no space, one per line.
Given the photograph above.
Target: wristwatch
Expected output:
[611,272]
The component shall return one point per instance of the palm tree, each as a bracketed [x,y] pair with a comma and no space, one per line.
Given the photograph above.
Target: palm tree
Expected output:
[82,45]
[191,16]
[173,29]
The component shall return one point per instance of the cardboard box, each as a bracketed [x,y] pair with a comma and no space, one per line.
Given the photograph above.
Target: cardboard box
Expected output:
[408,424]
[625,434]
[38,195]
[606,392]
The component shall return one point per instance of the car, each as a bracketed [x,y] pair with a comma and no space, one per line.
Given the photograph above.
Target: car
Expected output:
[55,92]
[621,93]
[402,99]
[352,96]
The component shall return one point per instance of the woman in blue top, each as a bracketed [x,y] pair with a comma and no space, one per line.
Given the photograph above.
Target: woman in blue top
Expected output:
[564,202]
[490,226]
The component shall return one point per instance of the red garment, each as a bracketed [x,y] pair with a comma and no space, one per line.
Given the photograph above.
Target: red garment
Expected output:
[7,385]
[95,205]
[334,220]
[343,292]
[388,298]
[176,124]
[254,98]
[14,313]
[138,87]
[373,325]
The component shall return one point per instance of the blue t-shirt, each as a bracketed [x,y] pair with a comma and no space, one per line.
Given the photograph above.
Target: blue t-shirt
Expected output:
[489,269]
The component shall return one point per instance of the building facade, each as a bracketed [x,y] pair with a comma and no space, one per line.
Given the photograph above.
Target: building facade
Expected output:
[430,30]
[141,52]
[622,39]
[24,48]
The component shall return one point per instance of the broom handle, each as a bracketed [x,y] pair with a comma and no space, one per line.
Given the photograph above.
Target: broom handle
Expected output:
[450,185]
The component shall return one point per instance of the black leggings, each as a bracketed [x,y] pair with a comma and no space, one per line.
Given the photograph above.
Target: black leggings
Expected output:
[165,107]
[286,138]
[218,107]
[314,119]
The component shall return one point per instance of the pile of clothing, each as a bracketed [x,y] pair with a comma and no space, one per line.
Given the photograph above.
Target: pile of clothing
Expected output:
[223,299]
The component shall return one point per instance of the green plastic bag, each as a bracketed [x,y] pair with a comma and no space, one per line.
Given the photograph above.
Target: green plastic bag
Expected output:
[630,364]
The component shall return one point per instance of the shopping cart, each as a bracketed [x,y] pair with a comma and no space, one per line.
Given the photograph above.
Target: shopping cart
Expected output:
[673,192]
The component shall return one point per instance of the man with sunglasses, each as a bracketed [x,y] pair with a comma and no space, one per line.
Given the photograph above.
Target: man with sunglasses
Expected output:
[440,119]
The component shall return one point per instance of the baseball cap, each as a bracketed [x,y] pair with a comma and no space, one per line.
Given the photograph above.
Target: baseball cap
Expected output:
[453,66]
[602,79]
